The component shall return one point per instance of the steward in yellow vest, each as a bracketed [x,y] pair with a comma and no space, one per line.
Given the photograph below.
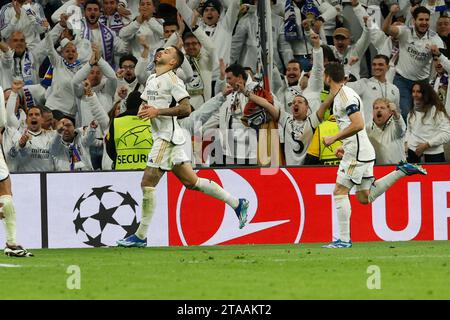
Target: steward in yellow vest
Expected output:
[318,153]
[129,140]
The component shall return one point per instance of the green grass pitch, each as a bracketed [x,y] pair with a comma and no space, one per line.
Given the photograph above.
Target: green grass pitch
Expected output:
[408,270]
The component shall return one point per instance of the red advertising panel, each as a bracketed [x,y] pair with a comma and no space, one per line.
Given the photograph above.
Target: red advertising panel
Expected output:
[296,205]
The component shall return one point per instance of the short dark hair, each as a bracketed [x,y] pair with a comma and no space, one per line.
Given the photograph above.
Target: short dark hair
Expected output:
[335,70]
[127,57]
[35,107]
[188,34]
[95,2]
[237,70]
[170,23]
[179,57]
[419,10]
[328,53]
[382,56]
[295,61]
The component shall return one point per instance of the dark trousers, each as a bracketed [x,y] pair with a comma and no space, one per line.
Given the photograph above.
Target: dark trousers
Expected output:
[429,158]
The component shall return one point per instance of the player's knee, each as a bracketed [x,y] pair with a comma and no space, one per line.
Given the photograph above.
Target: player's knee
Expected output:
[190,185]
[362,197]
[340,191]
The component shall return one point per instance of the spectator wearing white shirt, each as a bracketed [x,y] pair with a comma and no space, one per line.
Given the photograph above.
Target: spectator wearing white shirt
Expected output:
[146,25]
[387,132]
[111,16]
[376,87]
[111,46]
[217,25]
[428,126]
[18,62]
[70,146]
[25,16]
[345,52]
[415,55]
[201,54]
[61,98]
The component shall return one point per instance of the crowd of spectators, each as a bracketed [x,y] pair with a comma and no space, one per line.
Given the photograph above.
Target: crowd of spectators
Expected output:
[73,73]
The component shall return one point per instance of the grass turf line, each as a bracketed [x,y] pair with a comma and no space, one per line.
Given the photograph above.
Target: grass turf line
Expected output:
[409,270]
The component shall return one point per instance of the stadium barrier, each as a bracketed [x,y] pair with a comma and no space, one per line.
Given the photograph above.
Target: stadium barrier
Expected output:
[291,205]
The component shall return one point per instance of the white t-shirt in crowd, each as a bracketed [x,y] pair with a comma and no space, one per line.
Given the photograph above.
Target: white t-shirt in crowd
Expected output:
[415,57]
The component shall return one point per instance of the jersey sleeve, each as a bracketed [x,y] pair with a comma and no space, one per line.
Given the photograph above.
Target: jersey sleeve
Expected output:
[178,90]
[352,106]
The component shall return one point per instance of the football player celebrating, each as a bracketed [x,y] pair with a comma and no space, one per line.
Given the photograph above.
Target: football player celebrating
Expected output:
[163,90]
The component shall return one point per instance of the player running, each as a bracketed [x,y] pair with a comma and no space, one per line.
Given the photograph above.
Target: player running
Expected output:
[7,212]
[165,97]
[356,166]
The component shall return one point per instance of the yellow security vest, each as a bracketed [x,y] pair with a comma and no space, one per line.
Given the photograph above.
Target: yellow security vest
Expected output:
[318,149]
[133,141]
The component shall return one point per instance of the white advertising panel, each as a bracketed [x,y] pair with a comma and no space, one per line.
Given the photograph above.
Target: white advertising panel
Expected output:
[27,202]
[98,208]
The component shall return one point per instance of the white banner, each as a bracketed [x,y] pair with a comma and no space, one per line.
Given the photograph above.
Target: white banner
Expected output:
[97,209]
[27,202]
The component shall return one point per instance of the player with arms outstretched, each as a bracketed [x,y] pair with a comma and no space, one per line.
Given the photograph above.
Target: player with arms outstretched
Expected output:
[356,166]
[165,98]
[7,211]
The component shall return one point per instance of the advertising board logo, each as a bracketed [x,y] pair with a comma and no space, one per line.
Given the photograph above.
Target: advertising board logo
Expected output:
[104,216]
[276,213]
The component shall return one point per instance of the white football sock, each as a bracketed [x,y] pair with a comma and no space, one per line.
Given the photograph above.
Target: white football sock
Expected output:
[10,219]
[343,210]
[148,208]
[381,185]
[214,190]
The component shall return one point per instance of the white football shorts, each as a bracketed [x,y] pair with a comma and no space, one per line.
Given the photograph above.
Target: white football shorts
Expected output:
[165,155]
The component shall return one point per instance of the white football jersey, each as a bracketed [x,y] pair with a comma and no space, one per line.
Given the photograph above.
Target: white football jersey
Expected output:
[165,91]
[357,146]
[297,136]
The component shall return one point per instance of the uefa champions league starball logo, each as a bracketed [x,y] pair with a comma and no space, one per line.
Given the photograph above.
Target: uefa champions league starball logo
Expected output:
[104,216]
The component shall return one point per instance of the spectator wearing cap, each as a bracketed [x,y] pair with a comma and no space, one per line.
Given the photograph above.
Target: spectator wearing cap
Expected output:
[70,147]
[245,46]
[144,25]
[217,25]
[347,54]
[25,16]
[415,56]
